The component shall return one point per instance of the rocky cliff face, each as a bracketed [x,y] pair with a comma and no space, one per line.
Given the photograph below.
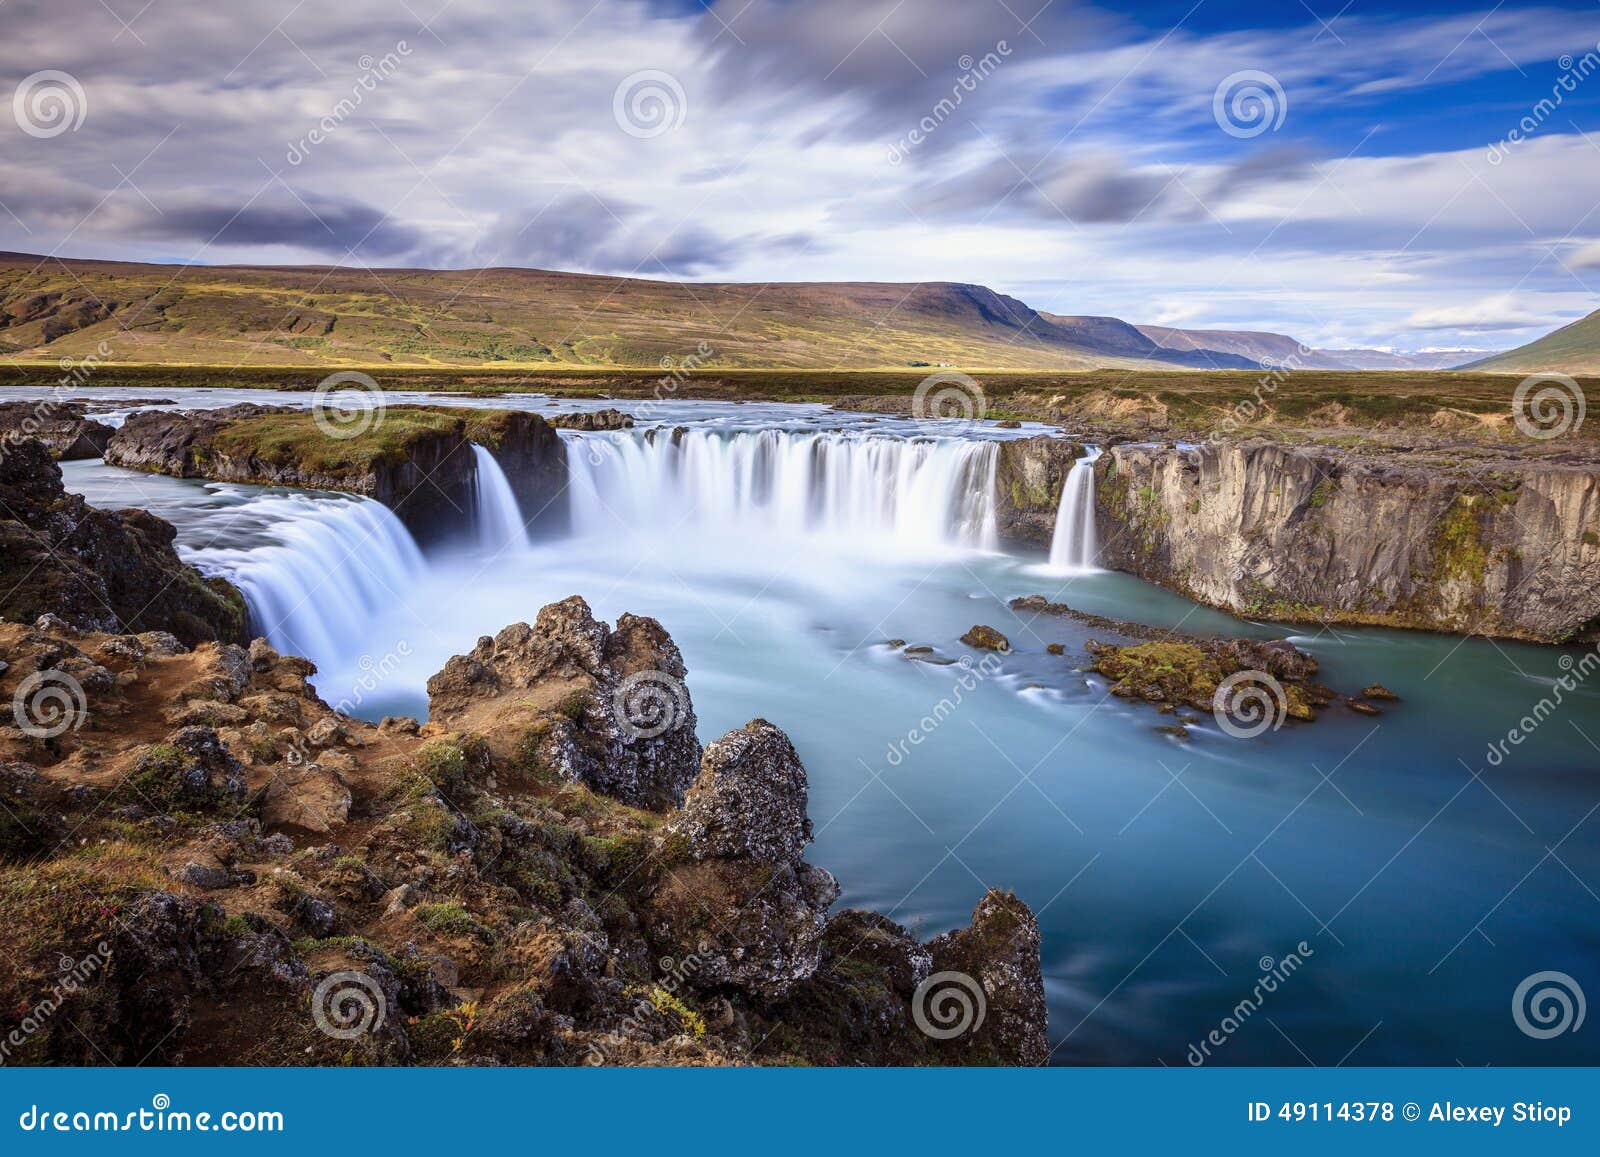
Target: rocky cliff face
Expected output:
[98,569]
[61,426]
[1314,534]
[1028,481]
[417,461]
[245,876]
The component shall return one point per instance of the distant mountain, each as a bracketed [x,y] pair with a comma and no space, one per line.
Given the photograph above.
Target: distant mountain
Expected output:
[314,315]
[1572,349]
[1116,338]
[1276,349]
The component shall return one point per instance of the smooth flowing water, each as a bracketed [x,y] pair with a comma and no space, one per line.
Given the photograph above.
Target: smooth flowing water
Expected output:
[783,546]
[495,515]
[1073,545]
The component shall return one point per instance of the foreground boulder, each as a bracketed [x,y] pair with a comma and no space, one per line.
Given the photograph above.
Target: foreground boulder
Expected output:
[241,875]
[97,569]
[571,699]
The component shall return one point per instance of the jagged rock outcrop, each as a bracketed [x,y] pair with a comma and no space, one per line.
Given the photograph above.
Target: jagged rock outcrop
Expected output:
[746,905]
[1029,477]
[417,460]
[98,569]
[571,699]
[438,906]
[1316,535]
[60,425]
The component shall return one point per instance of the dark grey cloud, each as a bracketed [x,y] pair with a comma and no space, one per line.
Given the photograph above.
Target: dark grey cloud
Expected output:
[339,228]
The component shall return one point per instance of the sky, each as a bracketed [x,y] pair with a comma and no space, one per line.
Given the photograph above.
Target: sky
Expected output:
[1356,174]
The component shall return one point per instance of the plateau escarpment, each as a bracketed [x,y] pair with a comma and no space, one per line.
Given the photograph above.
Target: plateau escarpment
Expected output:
[1504,547]
[552,871]
[417,460]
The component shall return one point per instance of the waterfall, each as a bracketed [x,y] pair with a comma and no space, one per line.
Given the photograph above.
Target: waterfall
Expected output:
[1073,546]
[497,519]
[315,570]
[870,490]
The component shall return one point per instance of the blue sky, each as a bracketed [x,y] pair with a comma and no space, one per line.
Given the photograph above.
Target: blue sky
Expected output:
[1365,192]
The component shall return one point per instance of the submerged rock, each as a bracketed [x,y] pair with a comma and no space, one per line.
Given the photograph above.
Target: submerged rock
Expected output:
[986,639]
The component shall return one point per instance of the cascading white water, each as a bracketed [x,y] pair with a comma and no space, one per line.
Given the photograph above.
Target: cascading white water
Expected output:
[497,519]
[866,490]
[1073,546]
[322,569]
